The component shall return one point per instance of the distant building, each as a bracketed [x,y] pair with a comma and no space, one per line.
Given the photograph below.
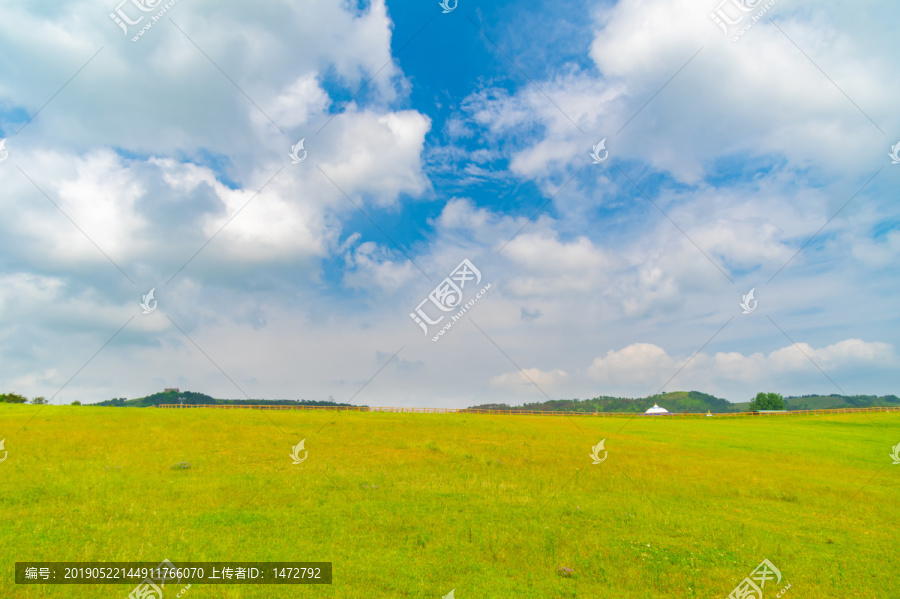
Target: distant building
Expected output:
[656,410]
[171,390]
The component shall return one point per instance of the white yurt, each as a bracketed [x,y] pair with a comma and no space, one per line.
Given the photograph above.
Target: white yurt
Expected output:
[656,410]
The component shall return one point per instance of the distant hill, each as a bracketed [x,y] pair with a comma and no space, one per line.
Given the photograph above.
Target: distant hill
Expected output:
[827,402]
[193,398]
[189,397]
[674,401]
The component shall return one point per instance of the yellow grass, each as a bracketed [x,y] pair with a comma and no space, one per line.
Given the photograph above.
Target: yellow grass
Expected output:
[414,505]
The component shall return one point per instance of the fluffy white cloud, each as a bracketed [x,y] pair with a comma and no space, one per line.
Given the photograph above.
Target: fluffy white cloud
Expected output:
[549,266]
[644,365]
[166,102]
[373,158]
[95,191]
[297,103]
[632,364]
[377,155]
[760,96]
[373,267]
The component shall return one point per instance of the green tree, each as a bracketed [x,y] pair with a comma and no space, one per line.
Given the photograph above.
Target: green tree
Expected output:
[40,400]
[767,401]
[12,398]
[76,403]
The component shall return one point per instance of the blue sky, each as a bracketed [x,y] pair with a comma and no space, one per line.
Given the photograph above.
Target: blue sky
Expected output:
[434,138]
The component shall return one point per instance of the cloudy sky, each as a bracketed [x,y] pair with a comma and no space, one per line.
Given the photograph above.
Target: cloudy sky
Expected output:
[751,154]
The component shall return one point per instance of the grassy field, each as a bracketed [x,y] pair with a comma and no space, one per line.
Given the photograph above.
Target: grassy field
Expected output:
[414,505]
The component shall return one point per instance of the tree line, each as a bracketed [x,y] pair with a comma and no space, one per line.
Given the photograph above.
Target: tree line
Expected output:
[676,401]
[16,398]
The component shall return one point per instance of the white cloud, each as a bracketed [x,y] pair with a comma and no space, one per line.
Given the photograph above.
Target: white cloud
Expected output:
[758,97]
[372,267]
[548,266]
[300,101]
[644,365]
[461,213]
[377,155]
[96,191]
[632,365]
[166,93]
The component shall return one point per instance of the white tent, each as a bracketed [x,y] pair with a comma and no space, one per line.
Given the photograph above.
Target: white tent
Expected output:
[656,410]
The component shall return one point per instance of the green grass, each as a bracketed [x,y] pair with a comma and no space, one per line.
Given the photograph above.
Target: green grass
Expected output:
[490,506]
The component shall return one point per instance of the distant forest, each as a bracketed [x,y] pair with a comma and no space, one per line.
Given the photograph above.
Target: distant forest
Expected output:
[695,402]
[675,401]
[194,398]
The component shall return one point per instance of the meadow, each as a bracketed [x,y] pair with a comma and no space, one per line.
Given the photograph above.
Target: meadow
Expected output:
[489,506]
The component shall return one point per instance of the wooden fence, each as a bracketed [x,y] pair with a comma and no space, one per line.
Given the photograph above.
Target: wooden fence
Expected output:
[533,412]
